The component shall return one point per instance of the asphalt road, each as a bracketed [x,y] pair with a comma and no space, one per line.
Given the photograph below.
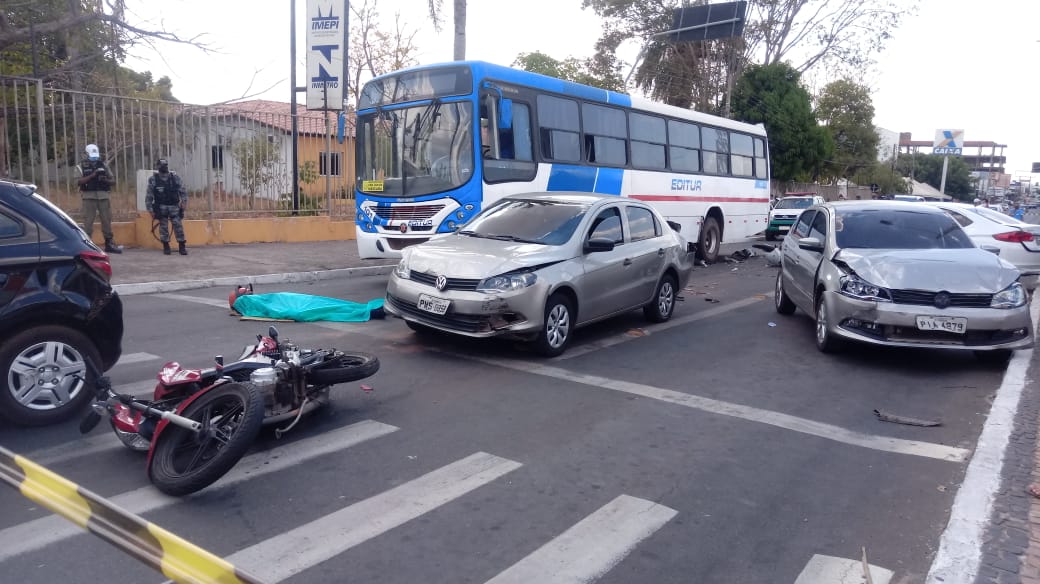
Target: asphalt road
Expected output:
[717,447]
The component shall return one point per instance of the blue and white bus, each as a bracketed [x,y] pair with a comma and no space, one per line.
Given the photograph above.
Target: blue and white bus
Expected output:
[435,144]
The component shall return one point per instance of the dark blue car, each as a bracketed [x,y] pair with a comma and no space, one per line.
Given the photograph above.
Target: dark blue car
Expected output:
[57,310]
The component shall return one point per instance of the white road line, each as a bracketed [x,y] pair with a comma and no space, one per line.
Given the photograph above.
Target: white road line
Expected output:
[960,547]
[136,358]
[592,547]
[752,414]
[831,570]
[33,535]
[186,298]
[587,348]
[292,552]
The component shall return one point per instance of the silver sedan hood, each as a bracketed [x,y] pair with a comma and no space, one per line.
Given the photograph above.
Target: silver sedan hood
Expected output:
[969,270]
[460,256]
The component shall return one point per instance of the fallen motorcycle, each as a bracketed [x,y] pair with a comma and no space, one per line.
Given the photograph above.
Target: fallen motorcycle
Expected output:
[200,422]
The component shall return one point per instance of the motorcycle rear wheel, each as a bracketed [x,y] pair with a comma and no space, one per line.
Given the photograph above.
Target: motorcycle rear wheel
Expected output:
[343,368]
[184,462]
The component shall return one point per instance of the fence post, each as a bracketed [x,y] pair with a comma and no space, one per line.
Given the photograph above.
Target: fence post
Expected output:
[41,128]
[208,156]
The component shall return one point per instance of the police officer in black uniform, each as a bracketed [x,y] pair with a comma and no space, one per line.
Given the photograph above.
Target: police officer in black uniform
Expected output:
[166,199]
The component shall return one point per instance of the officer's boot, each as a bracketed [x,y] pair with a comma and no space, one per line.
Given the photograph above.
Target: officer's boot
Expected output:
[181,249]
[112,248]
[166,248]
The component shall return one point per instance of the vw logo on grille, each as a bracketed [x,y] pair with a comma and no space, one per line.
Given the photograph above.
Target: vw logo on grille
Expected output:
[442,282]
[942,300]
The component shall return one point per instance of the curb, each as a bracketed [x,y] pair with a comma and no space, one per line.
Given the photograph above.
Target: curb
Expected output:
[285,278]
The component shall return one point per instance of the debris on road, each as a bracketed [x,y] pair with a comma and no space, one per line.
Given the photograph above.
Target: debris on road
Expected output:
[772,324]
[740,255]
[712,300]
[886,417]
[1034,490]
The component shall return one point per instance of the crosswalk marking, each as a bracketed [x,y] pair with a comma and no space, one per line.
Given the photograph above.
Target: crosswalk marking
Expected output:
[591,547]
[831,570]
[129,358]
[780,420]
[308,545]
[38,533]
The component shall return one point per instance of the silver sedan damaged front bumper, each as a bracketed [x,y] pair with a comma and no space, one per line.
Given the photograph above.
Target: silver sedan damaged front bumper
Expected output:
[890,324]
[470,313]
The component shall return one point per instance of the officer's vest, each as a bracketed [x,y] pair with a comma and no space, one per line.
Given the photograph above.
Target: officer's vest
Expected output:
[94,184]
[168,190]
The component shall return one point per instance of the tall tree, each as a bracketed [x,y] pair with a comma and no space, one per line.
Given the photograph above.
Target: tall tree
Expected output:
[927,168]
[773,95]
[571,69]
[74,43]
[843,34]
[436,8]
[374,50]
[846,110]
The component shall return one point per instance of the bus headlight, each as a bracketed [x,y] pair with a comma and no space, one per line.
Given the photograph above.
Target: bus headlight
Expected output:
[507,283]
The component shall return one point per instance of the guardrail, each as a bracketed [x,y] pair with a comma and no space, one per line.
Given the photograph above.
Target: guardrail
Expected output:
[176,558]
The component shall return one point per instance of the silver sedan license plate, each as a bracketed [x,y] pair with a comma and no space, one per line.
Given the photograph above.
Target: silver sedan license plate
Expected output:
[433,304]
[950,324]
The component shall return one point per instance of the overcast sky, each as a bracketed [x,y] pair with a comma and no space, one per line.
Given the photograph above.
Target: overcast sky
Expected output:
[957,64]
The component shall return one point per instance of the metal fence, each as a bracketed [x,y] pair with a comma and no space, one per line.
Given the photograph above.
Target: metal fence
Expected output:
[235,160]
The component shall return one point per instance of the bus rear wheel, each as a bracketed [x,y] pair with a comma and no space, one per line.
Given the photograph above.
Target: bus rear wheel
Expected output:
[710,240]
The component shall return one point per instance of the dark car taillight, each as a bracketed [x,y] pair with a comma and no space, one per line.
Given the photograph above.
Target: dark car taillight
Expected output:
[98,261]
[1014,236]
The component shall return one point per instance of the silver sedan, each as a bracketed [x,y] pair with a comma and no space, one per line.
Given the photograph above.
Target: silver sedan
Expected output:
[901,275]
[536,266]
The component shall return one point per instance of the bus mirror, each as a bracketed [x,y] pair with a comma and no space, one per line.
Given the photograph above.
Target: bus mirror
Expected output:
[505,114]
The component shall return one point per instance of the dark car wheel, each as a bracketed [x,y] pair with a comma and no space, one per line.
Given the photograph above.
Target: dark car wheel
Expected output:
[710,240]
[770,235]
[780,298]
[825,341]
[661,307]
[42,375]
[557,326]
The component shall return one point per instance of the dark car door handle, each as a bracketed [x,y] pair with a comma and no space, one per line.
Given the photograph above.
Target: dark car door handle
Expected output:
[627,262]
[660,251]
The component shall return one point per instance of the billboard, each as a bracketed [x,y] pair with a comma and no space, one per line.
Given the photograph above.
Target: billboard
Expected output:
[708,21]
[326,54]
[948,142]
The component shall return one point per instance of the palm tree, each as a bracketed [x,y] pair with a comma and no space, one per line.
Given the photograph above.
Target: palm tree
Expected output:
[436,8]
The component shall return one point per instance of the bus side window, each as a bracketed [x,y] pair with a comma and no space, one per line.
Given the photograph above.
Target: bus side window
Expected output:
[515,141]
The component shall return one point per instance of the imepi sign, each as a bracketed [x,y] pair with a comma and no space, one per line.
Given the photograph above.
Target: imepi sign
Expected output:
[326,54]
[948,142]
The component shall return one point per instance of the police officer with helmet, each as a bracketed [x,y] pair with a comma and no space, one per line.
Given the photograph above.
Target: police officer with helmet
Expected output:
[166,199]
[95,183]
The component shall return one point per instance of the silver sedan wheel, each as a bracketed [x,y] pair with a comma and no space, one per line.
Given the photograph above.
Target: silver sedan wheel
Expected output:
[47,375]
[666,298]
[821,323]
[557,326]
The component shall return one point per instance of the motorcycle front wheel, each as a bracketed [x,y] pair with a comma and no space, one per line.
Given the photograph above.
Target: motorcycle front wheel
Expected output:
[184,461]
[343,368]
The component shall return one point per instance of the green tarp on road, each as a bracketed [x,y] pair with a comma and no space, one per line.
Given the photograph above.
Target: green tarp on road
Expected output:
[307,308]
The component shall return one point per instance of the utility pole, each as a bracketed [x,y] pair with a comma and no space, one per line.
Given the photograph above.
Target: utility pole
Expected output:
[292,110]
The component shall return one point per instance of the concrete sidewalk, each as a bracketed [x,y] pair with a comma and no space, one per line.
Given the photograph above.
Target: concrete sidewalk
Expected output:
[144,271]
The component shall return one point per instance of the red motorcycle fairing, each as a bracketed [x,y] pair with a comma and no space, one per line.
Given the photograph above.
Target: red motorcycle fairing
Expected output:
[126,419]
[172,375]
[163,424]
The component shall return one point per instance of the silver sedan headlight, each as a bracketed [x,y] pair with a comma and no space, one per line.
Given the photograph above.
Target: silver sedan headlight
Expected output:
[1013,296]
[402,271]
[507,283]
[856,287]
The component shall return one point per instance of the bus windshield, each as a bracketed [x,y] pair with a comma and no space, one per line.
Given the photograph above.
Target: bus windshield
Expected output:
[415,151]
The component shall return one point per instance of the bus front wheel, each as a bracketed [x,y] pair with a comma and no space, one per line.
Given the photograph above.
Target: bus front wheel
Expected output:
[710,240]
